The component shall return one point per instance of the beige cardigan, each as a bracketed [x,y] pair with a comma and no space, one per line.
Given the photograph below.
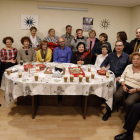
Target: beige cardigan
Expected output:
[131,79]
[21,55]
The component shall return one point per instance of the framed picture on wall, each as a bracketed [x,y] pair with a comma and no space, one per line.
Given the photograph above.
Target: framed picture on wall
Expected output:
[87,24]
[27,21]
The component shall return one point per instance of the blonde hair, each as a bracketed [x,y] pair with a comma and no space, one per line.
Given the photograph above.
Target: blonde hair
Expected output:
[50,30]
[91,32]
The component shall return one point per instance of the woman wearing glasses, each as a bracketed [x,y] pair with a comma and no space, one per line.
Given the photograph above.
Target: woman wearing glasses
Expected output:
[44,53]
[26,53]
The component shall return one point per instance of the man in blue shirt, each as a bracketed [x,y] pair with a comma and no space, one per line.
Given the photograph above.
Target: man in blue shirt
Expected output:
[62,54]
[118,62]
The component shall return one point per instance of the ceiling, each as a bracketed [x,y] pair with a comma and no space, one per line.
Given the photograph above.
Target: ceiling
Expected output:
[125,3]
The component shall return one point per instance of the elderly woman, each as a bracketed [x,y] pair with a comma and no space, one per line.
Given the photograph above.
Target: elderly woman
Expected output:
[44,53]
[8,55]
[78,38]
[26,53]
[52,39]
[81,56]
[130,85]
[35,40]
[103,38]
[123,37]
[101,57]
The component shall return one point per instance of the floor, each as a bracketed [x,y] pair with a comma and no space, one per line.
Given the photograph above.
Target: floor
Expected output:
[59,123]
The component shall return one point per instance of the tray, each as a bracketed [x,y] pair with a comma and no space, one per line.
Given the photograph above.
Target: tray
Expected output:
[101,72]
[75,73]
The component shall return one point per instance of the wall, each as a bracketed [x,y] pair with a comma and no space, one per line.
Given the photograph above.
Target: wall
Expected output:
[135,21]
[10,13]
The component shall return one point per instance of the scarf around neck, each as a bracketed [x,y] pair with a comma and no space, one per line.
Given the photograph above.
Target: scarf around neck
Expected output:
[43,55]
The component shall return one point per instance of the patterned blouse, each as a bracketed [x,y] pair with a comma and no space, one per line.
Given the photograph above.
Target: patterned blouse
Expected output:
[8,54]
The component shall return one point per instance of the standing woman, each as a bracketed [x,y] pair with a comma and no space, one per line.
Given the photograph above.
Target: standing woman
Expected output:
[44,53]
[103,38]
[123,37]
[52,39]
[26,53]
[8,55]
[90,42]
[78,38]
[35,40]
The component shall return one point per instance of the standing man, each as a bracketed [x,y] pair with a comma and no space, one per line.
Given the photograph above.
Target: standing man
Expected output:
[134,45]
[68,37]
[62,54]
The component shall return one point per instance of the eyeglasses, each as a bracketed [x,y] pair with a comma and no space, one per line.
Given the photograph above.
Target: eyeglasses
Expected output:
[136,59]
[26,52]
[118,45]
[44,45]
[61,42]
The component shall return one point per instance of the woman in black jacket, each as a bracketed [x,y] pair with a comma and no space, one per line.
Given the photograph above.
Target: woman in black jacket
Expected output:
[81,56]
[123,37]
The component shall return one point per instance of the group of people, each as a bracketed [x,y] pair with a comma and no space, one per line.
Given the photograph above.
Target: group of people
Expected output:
[124,62]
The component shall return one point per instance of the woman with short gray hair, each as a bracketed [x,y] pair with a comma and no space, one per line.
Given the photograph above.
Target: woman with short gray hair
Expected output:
[101,57]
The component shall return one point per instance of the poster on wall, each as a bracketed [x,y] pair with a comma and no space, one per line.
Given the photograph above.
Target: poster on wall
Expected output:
[87,24]
[27,21]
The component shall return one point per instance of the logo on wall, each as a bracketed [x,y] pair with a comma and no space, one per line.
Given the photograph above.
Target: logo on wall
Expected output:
[87,24]
[104,24]
[27,21]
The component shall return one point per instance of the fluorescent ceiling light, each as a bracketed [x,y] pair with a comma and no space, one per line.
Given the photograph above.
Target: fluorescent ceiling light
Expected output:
[62,8]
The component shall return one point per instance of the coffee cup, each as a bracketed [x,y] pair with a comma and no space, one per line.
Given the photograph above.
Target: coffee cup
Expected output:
[71,78]
[65,78]
[8,71]
[80,78]
[92,75]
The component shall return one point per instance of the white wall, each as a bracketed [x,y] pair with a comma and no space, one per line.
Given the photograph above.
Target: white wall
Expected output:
[10,13]
[135,21]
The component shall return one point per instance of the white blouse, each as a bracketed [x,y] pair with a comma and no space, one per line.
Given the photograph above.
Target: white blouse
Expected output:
[100,59]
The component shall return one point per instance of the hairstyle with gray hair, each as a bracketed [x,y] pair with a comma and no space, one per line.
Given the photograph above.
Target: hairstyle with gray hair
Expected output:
[105,46]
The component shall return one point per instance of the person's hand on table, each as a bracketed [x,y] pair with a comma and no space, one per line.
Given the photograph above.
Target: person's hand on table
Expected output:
[82,62]
[79,62]
[103,68]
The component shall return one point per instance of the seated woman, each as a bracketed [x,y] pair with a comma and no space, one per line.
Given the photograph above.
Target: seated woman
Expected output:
[123,37]
[90,42]
[26,53]
[44,53]
[52,39]
[78,38]
[35,40]
[101,57]
[103,37]
[130,85]
[8,55]
[81,56]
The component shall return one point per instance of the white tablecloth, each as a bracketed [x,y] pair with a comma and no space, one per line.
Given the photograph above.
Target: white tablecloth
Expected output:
[47,85]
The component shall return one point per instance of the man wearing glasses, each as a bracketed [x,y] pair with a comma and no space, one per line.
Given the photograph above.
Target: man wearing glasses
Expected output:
[118,62]
[62,54]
